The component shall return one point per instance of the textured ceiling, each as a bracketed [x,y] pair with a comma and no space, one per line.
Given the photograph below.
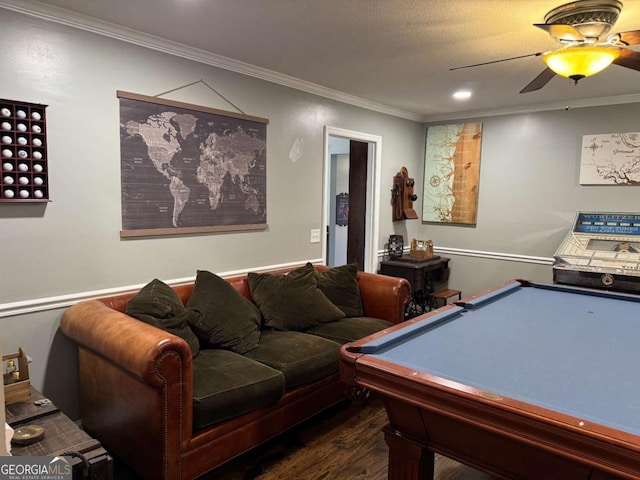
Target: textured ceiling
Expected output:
[392,52]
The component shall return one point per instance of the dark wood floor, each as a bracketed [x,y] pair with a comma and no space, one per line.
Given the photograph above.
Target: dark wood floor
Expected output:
[344,443]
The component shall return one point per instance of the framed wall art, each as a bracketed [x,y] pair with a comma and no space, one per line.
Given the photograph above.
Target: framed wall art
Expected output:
[610,159]
[190,169]
[342,209]
[452,173]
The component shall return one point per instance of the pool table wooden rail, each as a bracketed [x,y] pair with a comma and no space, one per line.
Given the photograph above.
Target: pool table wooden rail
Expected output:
[493,433]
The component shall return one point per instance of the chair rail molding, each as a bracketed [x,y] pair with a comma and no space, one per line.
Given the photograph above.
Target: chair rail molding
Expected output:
[63,301]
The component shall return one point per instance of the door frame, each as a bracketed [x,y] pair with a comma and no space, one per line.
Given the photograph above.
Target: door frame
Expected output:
[374,162]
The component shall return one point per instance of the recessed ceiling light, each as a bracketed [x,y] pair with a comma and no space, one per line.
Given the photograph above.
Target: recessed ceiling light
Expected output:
[462,95]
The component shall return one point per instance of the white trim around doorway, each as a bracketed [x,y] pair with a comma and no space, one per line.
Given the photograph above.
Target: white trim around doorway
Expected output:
[373,192]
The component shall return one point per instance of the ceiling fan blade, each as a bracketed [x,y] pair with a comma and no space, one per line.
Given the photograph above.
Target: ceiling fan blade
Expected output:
[561,32]
[630,38]
[498,61]
[540,81]
[629,59]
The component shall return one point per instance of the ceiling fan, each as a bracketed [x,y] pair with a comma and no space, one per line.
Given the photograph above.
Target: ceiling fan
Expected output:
[582,29]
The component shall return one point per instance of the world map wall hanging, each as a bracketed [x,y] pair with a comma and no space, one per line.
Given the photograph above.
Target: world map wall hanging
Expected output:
[452,173]
[190,169]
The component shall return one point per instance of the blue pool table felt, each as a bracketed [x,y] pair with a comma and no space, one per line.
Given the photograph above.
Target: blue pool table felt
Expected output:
[572,353]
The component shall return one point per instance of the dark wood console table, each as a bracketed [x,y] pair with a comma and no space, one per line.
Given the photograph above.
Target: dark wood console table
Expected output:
[61,436]
[422,275]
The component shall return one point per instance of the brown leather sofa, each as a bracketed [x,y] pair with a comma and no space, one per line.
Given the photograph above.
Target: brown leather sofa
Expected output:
[136,386]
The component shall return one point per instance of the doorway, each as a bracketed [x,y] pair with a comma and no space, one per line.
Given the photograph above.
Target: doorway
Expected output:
[351,184]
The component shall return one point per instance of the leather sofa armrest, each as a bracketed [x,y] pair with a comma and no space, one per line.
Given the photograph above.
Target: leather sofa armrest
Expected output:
[383,296]
[110,334]
[134,377]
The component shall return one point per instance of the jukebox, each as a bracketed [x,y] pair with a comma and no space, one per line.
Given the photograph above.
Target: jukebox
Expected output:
[601,251]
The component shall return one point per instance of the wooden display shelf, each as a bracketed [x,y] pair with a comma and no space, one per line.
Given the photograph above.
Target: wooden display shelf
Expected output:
[24,169]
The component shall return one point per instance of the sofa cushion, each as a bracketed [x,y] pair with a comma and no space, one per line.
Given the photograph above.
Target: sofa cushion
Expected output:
[221,316]
[292,301]
[159,305]
[348,330]
[227,384]
[340,286]
[301,357]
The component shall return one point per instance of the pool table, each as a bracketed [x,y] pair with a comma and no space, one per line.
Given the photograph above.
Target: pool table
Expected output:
[526,380]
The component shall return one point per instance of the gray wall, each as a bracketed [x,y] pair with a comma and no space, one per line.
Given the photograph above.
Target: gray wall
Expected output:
[338,237]
[56,253]
[339,183]
[529,194]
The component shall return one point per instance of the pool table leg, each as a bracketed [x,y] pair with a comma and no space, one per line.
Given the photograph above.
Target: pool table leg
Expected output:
[408,458]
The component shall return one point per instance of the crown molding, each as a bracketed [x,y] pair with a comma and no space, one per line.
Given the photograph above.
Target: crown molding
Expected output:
[90,24]
[72,19]
[543,107]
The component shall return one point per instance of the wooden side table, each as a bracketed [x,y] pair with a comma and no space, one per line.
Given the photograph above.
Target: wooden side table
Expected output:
[62,436]
[422,275]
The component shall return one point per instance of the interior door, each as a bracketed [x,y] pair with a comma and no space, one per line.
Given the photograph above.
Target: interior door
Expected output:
[364,201]
[357,202]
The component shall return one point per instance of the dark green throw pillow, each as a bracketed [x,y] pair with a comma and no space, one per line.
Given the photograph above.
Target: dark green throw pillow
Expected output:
[222,316]
[159,305]
[292,301]
[340,285]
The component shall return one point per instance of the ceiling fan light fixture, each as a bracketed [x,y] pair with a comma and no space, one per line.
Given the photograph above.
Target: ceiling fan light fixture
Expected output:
[580,61]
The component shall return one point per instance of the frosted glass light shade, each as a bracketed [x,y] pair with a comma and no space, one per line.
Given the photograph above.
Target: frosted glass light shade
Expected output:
[580,62]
